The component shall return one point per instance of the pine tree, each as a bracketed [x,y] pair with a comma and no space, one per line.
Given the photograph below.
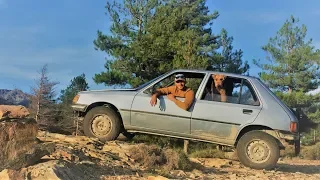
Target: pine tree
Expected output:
[43,98]
[293,70]
[67,120]
[155,37]
[293,61]
[228,60]
[76,85]
[128,26]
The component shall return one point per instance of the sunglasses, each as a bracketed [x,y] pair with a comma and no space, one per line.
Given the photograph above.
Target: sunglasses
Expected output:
[179,76]
[179,81]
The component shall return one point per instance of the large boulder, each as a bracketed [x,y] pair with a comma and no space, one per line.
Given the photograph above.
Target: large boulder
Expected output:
[13,111]
[17,140]
[19,146]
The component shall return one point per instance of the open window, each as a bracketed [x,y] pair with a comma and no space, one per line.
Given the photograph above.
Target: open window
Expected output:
[229,90]
[193,81]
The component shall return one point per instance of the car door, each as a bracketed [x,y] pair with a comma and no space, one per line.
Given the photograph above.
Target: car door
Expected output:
[165,116]
[218,121]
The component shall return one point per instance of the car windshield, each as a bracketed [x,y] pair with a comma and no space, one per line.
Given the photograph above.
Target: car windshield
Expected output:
[149,82]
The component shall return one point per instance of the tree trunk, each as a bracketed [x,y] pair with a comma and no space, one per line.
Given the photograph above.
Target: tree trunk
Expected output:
[185,146]
[38,110]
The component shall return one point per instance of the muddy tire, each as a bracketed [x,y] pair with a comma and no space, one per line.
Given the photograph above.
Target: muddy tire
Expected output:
[258,150]
[103,123]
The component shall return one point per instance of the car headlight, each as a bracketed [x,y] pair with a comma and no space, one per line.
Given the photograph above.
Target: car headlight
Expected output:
[75,99]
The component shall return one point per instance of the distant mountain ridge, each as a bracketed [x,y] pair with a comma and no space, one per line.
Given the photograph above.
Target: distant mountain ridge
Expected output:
[14,97]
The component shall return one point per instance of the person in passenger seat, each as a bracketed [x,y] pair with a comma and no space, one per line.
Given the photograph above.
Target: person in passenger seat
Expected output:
[177,90]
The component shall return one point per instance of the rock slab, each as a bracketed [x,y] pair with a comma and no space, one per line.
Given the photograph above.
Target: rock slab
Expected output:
[13,111]
[19,145]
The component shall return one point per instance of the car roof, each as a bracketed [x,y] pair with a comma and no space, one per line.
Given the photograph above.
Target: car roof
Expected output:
[215,72]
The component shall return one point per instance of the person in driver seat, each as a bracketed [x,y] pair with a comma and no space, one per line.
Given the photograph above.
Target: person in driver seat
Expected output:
[177,90]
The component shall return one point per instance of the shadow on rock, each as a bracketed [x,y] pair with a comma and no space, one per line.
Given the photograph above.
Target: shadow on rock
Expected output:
[306,169]
[89,170]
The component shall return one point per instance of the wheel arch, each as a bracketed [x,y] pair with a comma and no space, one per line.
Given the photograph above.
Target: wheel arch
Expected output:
[106,104]
[263,128]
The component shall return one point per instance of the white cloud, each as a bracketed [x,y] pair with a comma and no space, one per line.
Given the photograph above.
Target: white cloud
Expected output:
[313,92]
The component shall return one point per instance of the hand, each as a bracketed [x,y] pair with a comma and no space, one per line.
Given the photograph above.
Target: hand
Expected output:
[153,101]
[171,97]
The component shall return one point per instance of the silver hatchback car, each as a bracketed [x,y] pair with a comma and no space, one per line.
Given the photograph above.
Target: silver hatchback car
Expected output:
[252,119]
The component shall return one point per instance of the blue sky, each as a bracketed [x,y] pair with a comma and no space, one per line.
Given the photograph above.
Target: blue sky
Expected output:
[60,33]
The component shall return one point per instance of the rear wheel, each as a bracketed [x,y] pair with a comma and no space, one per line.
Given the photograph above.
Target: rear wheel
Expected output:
[103,123]
[258,150]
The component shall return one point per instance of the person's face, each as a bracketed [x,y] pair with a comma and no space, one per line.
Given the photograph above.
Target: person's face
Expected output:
[180,84]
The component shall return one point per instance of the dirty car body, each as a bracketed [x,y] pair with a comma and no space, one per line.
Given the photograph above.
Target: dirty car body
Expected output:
[251,107]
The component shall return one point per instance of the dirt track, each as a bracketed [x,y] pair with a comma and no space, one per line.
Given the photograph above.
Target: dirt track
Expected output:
[84,158]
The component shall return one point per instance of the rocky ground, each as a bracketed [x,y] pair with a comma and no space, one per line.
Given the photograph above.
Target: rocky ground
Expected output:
[78,157]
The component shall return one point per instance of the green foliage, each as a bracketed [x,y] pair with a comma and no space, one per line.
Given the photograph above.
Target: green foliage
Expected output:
[228,60]
[76,85]
[296,99]
[158,140]
[151,37]
[292,71]
[293,61]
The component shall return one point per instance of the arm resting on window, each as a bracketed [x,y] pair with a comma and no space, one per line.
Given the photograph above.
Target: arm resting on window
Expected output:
[164,91]
[187,102]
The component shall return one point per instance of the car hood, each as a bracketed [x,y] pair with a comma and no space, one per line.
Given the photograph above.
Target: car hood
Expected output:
[108,91]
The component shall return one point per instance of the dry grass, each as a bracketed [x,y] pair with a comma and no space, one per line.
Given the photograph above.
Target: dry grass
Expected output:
[148,156]
[288,152]
[311,152]
[307,152]
[153,157]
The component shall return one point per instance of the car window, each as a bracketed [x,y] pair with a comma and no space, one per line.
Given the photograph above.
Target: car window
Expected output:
[248,96]
[236,90]
[193,81]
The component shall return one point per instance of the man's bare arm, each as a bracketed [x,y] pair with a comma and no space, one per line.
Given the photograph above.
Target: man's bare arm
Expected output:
[161,91]
[164,91]
[187,102]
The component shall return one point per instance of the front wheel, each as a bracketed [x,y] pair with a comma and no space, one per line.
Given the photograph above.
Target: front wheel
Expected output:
[103,123]
[258,150]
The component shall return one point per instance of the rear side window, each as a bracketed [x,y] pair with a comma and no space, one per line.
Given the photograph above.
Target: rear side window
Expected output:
[248,96]
[229,90]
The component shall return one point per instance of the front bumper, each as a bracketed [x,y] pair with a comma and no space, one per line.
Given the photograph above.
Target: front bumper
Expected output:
[79,107]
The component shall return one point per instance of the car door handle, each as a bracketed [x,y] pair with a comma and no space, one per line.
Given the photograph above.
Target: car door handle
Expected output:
[247,111]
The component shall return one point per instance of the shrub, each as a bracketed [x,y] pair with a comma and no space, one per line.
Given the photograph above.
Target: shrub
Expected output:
[154,157]
[288,151]
[158,140]
[311,152]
